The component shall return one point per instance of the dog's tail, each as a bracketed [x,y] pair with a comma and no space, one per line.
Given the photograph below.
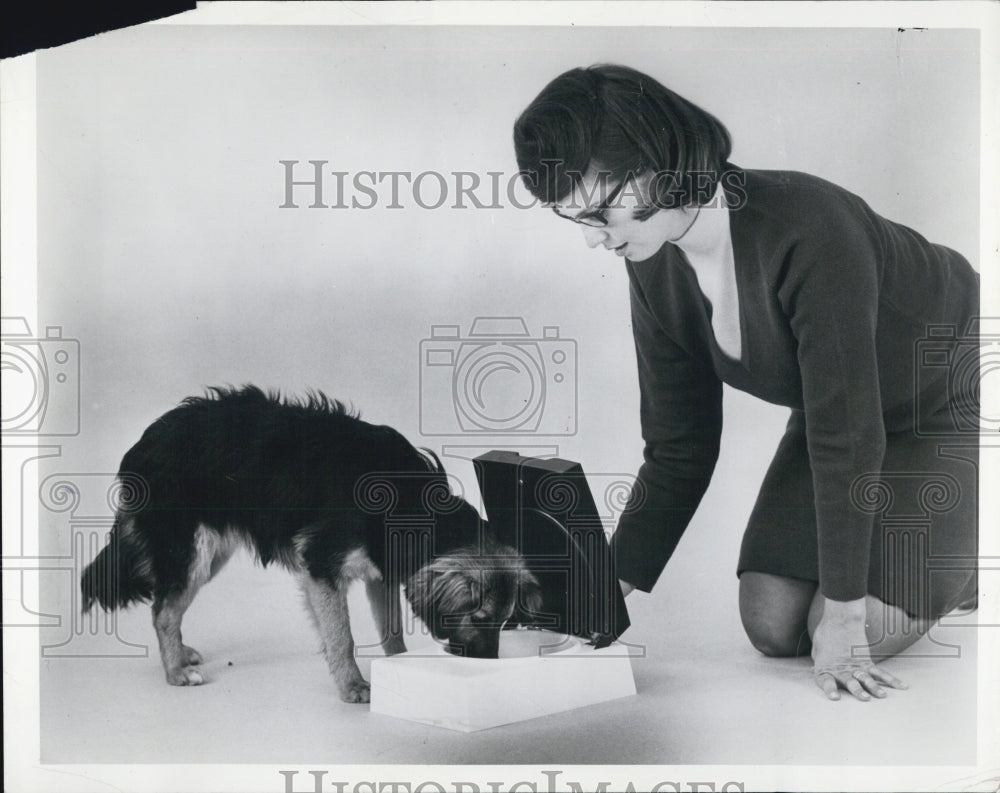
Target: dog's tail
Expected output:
[121,573]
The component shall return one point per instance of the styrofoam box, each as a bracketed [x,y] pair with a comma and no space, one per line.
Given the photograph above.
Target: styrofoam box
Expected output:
[538,673]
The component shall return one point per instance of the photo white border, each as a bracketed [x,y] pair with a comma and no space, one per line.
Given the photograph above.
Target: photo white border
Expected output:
[19,226]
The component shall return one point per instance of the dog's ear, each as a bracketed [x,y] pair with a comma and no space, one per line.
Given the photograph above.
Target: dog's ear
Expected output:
[444,586]
[529,592]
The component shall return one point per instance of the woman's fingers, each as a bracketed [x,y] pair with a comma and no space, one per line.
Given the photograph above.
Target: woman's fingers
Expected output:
[884,677]
[862,683]
[865,678]
[828,683]
[852,684]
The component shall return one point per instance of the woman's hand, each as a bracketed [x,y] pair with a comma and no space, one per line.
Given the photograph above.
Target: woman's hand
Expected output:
[841,656]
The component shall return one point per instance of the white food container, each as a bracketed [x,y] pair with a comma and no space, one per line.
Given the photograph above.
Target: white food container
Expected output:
[538,673]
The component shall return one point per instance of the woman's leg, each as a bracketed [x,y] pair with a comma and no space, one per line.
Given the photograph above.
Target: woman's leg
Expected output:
[780,615]
[775,611]
[930,516]
[890,629]
[778,559]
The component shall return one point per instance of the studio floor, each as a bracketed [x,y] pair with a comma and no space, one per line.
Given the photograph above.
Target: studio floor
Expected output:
[704,695]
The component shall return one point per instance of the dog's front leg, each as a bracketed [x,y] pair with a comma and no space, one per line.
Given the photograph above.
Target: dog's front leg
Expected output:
[328,607]
[178,659]
[384,600]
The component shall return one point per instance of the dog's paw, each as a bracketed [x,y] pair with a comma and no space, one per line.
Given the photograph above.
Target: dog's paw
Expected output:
[191,656]
[356,691]
[185,676]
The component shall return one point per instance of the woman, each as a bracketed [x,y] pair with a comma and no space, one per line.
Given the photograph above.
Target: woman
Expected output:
[792,289]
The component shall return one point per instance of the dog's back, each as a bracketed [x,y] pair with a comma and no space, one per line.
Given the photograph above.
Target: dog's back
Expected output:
[281,477]
[236,451]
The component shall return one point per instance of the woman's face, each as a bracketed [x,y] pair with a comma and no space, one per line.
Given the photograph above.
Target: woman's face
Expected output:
[606,213]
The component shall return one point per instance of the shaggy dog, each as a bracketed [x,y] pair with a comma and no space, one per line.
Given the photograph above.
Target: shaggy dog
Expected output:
[310,486]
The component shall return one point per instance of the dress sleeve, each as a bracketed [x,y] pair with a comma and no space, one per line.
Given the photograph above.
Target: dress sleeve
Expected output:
[681,418]
[831,296]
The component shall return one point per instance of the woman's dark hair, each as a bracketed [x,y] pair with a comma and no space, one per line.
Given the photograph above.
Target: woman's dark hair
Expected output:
[628,124]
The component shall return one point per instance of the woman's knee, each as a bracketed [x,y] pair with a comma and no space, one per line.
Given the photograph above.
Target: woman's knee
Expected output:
[930,596]
[777,640]
[773,610]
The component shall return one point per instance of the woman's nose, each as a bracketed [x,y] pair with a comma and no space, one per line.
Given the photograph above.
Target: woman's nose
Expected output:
[594,236]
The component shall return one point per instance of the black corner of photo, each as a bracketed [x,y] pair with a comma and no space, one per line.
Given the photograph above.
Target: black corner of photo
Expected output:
[28,25]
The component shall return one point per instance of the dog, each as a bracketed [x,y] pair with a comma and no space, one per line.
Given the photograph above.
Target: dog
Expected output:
[306,484]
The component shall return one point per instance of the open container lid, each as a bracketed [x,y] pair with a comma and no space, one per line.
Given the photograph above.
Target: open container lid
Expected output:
[544,508]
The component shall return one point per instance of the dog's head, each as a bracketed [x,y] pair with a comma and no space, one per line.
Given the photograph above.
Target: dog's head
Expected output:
[467,596]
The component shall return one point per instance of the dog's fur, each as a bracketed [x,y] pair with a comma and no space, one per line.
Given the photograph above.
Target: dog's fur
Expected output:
[306,484]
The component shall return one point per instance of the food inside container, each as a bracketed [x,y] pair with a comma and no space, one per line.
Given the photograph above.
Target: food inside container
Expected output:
[524,643]
[530,643]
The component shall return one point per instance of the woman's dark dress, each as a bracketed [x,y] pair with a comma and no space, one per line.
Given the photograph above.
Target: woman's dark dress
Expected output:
[860,326]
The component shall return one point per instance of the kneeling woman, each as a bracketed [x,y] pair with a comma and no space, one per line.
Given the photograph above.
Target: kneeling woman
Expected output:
[792,289]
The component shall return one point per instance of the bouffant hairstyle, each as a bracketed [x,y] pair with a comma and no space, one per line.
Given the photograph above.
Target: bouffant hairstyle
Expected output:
[625,123]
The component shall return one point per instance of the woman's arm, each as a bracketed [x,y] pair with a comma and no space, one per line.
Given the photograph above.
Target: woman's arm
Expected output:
[681,418]
[831,297]
[831,294]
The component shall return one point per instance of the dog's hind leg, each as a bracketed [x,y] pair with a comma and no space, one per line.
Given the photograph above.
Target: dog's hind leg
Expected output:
[384,600]
[328,607]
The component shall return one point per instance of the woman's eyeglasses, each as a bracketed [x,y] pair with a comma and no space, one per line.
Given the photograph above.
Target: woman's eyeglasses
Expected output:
[595,217]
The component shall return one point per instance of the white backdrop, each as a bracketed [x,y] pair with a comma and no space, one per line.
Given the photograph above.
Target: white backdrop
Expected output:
[163,249]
